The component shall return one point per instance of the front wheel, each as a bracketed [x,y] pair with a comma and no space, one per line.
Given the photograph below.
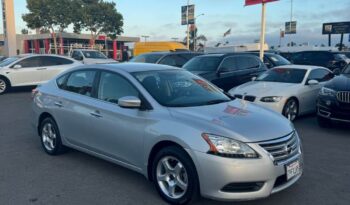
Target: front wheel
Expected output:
[175,176]
[50,137]
[291,109]
[4,85]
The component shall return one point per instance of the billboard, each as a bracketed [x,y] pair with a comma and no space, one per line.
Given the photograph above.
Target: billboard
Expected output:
[253,2]
[336,28]
[291,27]
[191,17]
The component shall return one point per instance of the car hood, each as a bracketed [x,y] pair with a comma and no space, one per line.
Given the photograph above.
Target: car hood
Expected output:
[238,119]
[98,61]
[340,83]
[262,89]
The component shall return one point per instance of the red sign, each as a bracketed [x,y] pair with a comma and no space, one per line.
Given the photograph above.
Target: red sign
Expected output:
[253,2]
[101,38]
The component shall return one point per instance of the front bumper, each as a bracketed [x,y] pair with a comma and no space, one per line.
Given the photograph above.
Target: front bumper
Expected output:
[215,173]
[330,108]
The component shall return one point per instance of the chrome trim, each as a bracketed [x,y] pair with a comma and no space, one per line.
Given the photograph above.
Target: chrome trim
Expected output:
[343,96]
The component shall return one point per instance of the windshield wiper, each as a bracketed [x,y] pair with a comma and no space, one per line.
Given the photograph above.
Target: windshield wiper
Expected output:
[211,102]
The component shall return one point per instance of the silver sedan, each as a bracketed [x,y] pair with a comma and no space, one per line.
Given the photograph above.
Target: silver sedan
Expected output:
[291,90]
[173,127]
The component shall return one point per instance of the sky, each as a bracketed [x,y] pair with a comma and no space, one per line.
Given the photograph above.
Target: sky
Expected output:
[161,19]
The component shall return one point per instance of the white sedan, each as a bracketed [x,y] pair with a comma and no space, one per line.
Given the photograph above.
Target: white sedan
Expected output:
[31,69]
[290,90]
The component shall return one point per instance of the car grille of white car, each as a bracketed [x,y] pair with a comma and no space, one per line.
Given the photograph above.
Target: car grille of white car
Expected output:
[249,98]
[343,96]
[282,149]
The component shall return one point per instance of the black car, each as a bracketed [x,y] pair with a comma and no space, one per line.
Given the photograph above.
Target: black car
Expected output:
[333,102]
[226,70]
[177,59]
[328,59]
[272,60]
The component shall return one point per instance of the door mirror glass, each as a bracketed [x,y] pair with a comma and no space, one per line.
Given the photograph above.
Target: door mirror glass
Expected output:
[17,66]
[312,82]
[129,102]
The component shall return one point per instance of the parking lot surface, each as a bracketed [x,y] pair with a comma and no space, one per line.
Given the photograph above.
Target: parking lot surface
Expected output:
[29,176]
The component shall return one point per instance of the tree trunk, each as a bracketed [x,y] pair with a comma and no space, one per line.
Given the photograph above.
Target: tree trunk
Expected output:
[54,40]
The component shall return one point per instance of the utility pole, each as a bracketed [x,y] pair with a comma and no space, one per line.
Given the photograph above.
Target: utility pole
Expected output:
[188,28]
[290,24]
[262,35]
[145,37]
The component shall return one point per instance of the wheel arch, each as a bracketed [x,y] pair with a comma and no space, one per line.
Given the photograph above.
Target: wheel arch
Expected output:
[43,116]
[6,78]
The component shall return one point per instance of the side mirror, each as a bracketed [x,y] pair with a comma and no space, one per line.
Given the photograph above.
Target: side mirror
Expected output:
[129,102]
[312,82]
[79,58]
[254,78]
[17,66]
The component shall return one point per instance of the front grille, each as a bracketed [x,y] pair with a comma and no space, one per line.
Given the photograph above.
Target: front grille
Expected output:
[343,96]
[246,97]
[282,149]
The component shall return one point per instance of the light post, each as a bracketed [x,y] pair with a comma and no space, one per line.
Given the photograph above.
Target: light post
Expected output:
[175,39]
[188,28]
[195,31]
[145,37]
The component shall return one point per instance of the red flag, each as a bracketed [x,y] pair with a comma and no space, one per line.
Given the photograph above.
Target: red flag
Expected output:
[253,2]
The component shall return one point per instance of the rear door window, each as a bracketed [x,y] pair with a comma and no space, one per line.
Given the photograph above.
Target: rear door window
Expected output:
[30,62]
[81,82]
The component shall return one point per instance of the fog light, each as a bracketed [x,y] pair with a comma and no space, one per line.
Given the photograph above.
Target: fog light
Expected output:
[328,102]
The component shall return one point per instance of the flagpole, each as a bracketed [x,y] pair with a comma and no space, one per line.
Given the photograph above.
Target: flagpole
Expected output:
[262,35]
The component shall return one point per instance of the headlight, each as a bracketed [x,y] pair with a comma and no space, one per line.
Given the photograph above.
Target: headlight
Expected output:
[271,99]
[327,91]
[226,147]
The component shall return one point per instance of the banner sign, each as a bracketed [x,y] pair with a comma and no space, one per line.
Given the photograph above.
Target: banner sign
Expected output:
[336,28]
[253,2]
[291,27]
[191,17]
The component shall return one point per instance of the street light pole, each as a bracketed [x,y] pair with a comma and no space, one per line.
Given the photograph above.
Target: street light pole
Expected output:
[262,35]
[290,24]
[188,29]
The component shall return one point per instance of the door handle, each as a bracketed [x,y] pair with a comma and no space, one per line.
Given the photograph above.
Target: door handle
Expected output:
[96,114]
[58,104]
[41,68]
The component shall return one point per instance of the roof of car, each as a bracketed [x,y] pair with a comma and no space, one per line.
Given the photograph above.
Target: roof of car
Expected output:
[173,52]
[305,67]
[138,67]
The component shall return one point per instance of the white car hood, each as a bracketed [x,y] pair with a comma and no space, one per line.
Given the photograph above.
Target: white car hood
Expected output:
[262,89]
[98,61]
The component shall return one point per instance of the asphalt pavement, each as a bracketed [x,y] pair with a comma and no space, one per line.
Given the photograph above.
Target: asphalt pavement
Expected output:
[29,176]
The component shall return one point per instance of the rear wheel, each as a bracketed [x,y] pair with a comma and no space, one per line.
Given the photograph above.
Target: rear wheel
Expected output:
[175,176]
[291,109]
[50,137]
[4,85]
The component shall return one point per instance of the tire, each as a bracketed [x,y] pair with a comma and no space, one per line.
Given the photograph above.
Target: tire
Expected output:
[172,166]
[50,137]
[4,85]
[324,122]
[291,109]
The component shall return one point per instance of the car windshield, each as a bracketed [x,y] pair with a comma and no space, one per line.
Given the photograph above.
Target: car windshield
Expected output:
[147,58]
[203,63]
[94,54]
[179,88]
[8,61]
[279,60]
[283,75]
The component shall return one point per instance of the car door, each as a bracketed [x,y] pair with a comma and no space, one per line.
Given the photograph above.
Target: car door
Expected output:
[310,92]
[228,73]
[53,66]
[26,72]
[118,132]
[74,106]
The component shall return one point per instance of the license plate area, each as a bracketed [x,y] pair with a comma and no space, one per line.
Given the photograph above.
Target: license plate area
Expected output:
[293,169]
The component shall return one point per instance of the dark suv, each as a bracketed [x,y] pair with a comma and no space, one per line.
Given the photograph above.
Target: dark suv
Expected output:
[226,70]
[272,60]
[177,59]
[328,59]
[333,102]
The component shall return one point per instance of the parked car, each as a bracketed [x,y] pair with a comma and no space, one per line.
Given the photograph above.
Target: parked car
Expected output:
[290,90]
[2,58]
[89,56]
[346,53]
[286,55]
[177,59]
[28,70]
[272,60]
[328,59]
[172,126]
[333,102]
[226,70]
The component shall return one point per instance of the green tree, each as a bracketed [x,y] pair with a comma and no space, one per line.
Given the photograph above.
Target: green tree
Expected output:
[98,17]
[24,31]
[51,15]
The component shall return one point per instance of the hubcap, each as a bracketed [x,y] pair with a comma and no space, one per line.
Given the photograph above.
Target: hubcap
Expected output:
[172,177]
[2,86]
[291,110]
[49,136]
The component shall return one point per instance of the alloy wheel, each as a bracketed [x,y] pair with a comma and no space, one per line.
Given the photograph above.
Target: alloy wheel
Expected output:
[291,110]
[2,86]
[49,136]
[172,177]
